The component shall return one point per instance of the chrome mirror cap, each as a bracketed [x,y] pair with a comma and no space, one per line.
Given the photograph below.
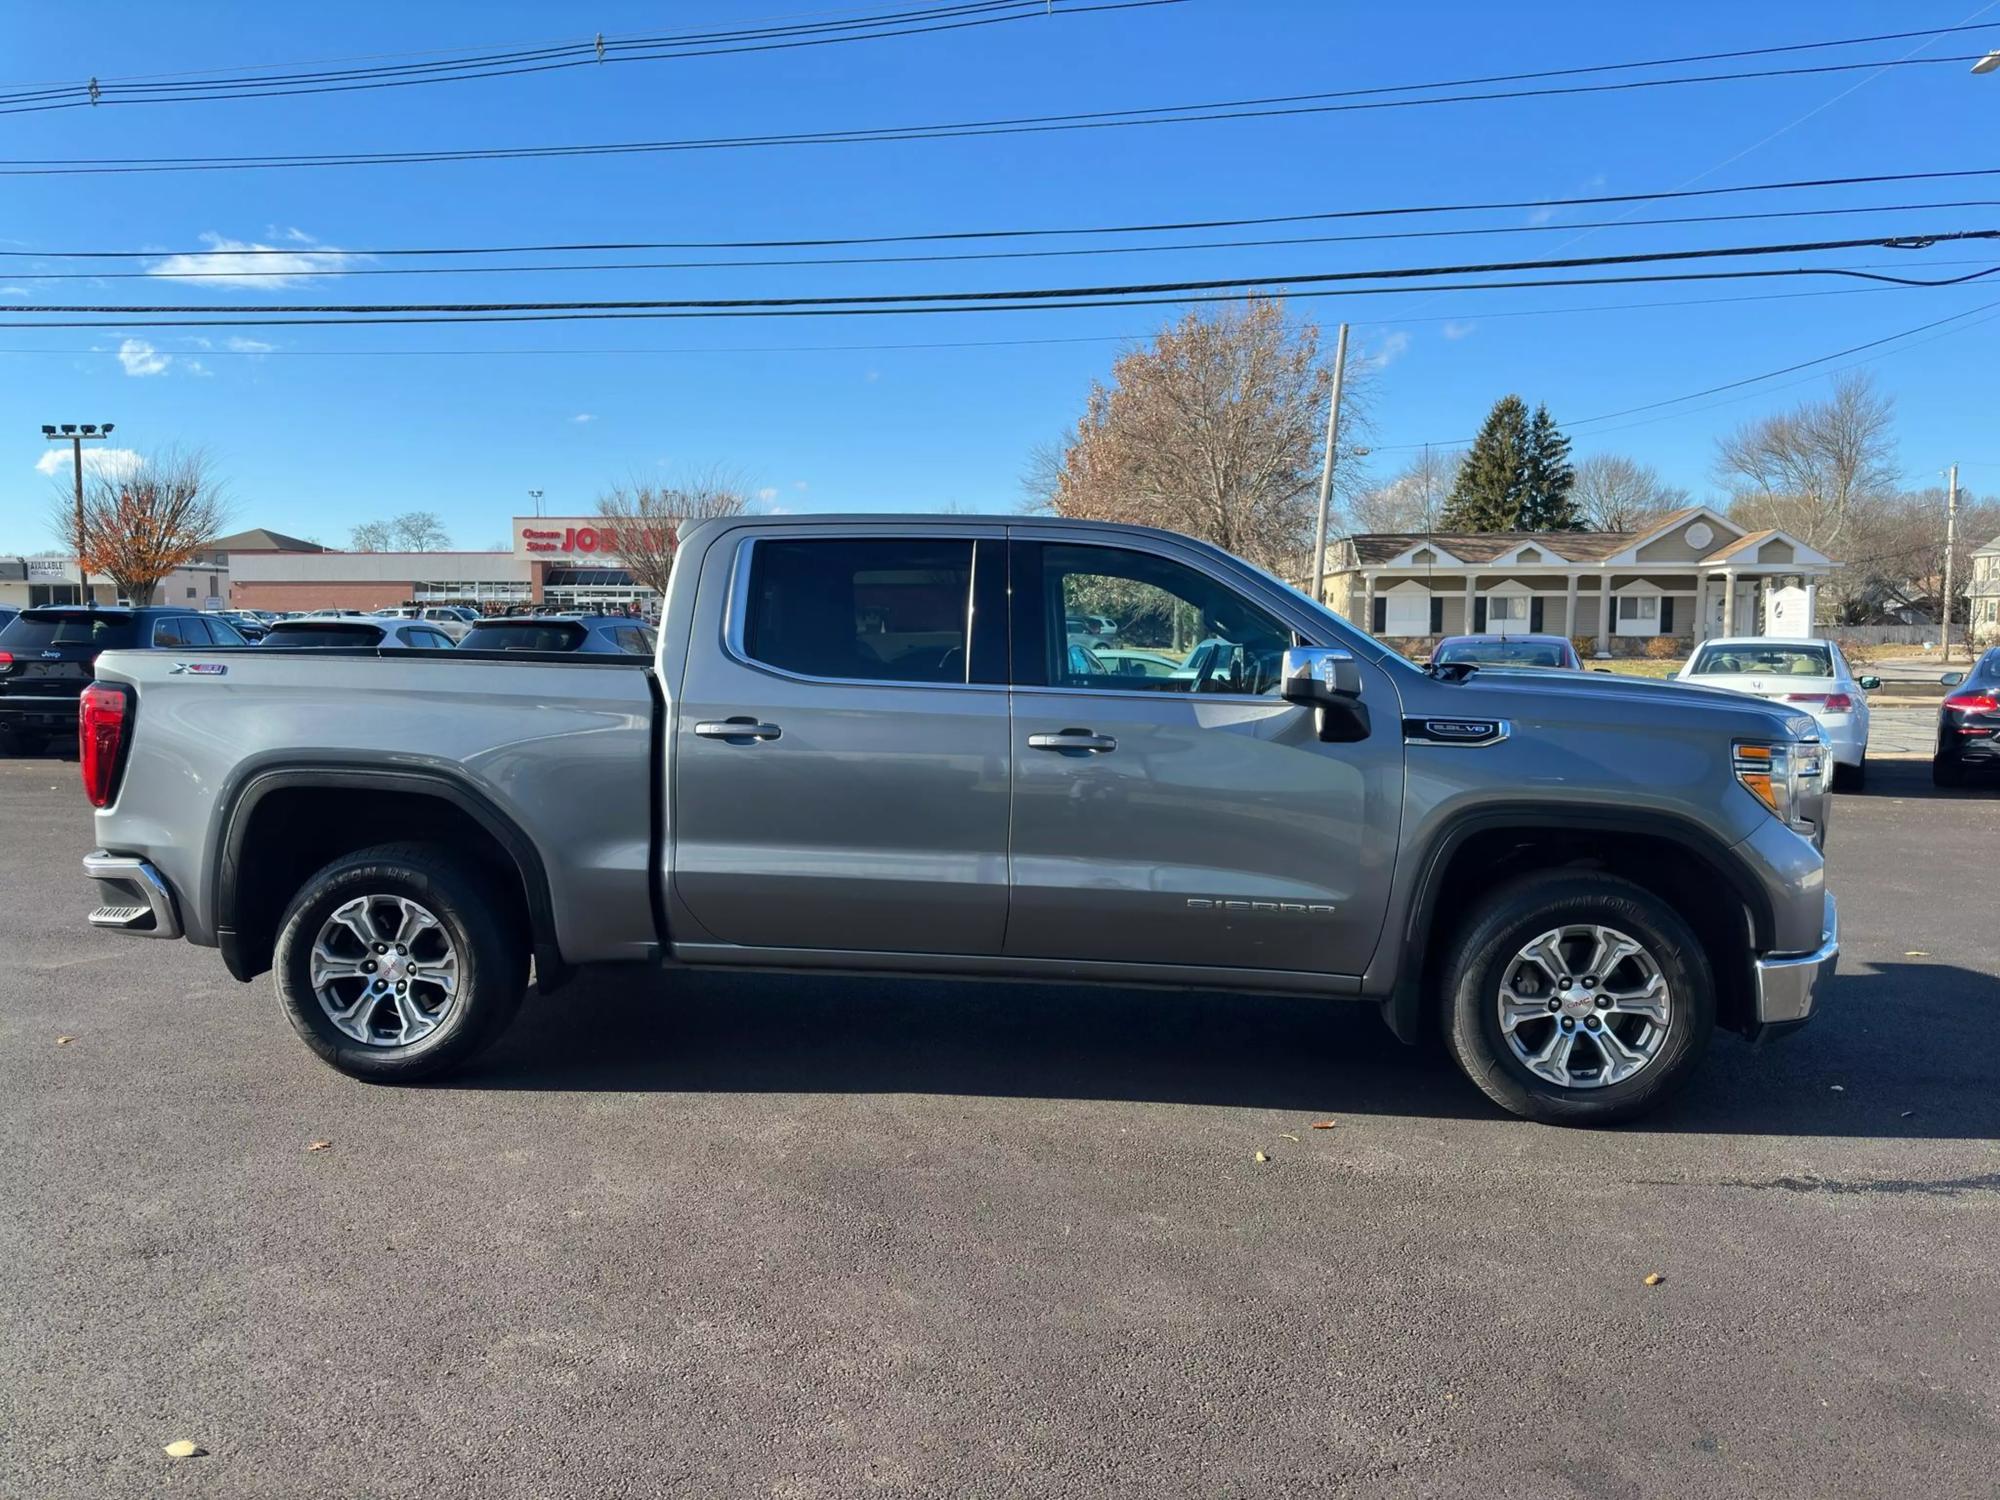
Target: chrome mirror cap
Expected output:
[1320,674]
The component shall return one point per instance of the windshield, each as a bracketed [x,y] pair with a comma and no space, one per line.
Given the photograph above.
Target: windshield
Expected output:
[36,631]
[1762,658]
[323,637]
[523,635]
[1504,653]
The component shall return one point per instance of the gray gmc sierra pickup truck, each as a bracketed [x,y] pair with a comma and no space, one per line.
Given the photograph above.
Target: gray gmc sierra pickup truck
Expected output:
[873,744]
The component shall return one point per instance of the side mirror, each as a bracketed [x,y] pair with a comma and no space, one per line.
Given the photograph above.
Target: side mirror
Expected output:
[1952,679]
[1326,679]
[1869,684]
[1314,676]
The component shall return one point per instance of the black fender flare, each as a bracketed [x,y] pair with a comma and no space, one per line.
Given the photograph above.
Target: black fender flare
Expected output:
[1403,1006]
[239,801]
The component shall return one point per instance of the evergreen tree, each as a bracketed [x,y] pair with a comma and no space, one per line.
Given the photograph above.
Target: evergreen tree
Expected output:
[1488,492]
[1547,479]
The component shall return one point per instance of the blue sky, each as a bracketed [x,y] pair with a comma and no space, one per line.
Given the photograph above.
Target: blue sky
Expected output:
[331,426]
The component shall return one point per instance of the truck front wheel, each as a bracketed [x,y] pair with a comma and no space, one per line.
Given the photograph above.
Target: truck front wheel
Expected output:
[1577,999]
[394,963]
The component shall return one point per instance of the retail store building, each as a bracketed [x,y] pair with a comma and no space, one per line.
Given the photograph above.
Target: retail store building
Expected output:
[561,562]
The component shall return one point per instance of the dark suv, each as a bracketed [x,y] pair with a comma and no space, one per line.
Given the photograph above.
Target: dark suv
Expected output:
[48,656]
[619,633]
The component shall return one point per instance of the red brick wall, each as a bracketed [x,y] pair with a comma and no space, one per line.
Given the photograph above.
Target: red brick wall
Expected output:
[302,596]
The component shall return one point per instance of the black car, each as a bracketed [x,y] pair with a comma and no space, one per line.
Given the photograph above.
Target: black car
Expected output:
[1968,723]
[48,656]
[619,633]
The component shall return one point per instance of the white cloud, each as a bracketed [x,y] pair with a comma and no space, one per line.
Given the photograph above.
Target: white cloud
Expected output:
[1539,217]
[196,367]
[800,485]
[230,262]
[584,416]
[247,346]
[1386,353]
[873,376]
[141,358]
[767,495]
[14,291]
[114,462]
[1458,330]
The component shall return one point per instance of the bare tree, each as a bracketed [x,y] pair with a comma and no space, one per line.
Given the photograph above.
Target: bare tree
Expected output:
[1808,471]
[142,522]
[1895,556]
[1616,493]
[373,536]
[1213,429]
[1414,499]
[647,518]
[420,531]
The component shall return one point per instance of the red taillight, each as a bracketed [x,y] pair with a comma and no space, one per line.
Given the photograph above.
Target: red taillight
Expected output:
[100,739]
[6,660]
[1973,703]
[1834,703]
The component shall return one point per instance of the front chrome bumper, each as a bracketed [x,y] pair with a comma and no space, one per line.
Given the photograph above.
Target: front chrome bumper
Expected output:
[1787,983]
[135,896]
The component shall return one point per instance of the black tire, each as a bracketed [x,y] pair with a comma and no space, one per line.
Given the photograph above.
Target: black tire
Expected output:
[1850,778]
[1946,773]
[492,971]
[1510,918]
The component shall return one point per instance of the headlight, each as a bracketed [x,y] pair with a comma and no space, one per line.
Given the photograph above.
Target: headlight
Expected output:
[1789,778]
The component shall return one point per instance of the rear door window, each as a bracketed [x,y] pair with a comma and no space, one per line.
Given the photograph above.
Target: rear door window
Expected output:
[172,630]
[868,609]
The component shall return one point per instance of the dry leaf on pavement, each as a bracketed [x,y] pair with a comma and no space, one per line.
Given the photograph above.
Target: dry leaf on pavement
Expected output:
[1262,1157]
[1323,1124]
[182,1448]
[1654,1278]
[318,1145]
[64,1041]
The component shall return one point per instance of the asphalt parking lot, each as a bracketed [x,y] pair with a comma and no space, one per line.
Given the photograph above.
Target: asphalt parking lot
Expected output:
[827,1237]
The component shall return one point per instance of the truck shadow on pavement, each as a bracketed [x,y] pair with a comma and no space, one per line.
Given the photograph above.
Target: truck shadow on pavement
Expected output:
[1906,1050]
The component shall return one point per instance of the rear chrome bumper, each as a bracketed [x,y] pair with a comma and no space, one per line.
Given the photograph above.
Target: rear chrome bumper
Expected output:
[1788,983]
[135,896]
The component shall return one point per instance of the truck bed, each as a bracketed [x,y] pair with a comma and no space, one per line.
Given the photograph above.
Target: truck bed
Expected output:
[560,747]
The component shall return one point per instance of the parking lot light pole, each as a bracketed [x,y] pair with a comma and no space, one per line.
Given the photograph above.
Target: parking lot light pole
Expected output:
[76,434]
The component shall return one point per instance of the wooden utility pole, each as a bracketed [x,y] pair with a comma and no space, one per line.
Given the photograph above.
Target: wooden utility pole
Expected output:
[1950,545]
[1326,468]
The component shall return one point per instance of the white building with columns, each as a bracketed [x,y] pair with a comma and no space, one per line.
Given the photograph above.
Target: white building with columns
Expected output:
[1691,575]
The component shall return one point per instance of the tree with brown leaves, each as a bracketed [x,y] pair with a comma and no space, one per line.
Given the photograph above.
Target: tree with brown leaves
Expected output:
[647,518]
[1214,430]
[143,521]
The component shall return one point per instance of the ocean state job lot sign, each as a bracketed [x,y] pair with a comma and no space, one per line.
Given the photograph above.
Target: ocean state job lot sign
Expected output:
[564,538]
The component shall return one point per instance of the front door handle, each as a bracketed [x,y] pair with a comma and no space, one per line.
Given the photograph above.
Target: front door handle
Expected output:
[1073,741]
[737,731]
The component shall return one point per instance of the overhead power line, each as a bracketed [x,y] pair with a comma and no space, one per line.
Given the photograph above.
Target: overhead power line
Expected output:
[590,53]
[1386,273]
[1330,102]
[240,273]
[935,236]
[910,304]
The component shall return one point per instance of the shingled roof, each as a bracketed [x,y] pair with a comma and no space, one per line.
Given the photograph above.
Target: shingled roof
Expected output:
[1479,547]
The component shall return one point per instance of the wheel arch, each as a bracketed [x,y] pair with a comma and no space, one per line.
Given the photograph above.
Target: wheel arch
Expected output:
[328,809]
[1675,858]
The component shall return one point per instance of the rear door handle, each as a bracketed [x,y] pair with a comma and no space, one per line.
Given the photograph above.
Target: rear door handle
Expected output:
[1074,741]
[737,731]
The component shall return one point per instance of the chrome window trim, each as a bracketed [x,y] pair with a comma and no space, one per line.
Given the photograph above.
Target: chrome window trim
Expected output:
[737,607]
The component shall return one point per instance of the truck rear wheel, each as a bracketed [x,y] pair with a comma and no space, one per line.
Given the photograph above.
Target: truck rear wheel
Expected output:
[1577,999]
[394,964]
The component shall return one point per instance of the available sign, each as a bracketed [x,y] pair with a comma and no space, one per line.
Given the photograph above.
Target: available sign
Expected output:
[565,537]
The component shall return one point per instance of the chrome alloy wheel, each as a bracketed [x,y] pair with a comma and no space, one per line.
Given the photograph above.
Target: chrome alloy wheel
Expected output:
[384,971]
[1584,1006]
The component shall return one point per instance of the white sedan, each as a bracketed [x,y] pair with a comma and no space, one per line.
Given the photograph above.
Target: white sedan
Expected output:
[1811,675]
